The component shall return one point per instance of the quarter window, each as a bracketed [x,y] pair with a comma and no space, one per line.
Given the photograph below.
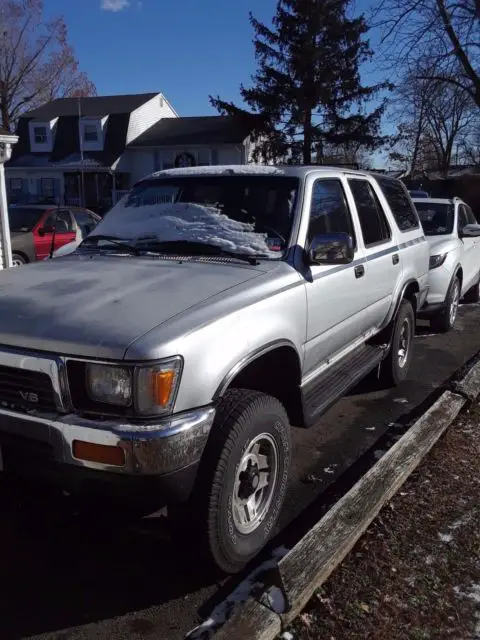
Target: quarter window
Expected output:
[400,204]
[329,210]
[374,225]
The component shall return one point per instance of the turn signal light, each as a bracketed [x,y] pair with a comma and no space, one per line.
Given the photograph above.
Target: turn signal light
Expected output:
[101,453]
[162,386]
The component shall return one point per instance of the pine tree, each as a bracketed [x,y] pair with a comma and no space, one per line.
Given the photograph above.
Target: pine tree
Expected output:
[307,89]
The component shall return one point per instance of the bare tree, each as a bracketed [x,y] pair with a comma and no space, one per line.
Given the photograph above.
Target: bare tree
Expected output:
[434,119]
[36,62]
[446,33]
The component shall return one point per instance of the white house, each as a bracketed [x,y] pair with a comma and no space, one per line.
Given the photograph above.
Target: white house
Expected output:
[89,151]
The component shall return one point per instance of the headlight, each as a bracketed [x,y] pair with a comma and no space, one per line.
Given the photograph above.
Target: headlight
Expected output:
[437,261]
[156,386]
[109,384]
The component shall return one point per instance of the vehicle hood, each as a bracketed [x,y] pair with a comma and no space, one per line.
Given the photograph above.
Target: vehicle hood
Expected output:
[442,244]
[95,306]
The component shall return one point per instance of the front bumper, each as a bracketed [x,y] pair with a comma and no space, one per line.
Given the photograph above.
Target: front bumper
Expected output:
[164,451]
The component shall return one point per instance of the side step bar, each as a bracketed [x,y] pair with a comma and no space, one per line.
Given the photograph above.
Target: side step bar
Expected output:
[325,390]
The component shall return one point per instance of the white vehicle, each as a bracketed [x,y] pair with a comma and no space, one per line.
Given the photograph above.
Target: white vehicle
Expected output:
[454,237]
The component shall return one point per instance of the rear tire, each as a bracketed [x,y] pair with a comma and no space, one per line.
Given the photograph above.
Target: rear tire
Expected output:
[445,320]
[395,367]
[473,294]
[18,260]
[242,480]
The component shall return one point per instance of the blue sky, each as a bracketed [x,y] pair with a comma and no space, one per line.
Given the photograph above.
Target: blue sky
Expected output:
[187,49]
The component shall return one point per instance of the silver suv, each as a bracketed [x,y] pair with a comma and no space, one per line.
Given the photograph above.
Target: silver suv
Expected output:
[211,309]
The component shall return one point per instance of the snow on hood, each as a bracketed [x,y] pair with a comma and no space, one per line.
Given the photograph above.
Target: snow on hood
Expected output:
[184,221]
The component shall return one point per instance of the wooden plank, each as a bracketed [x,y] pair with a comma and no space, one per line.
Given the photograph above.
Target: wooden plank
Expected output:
[252,621]
[313,559]
[469,385]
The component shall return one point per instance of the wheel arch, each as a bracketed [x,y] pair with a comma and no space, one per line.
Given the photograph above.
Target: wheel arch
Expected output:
[21,253]
[274,369]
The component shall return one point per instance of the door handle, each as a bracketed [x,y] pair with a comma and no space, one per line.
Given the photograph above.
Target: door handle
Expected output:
[359,271]
[395,258]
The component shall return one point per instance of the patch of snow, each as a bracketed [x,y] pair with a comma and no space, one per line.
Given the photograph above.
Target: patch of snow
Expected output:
[275,600]
[330,469]
[286,636]
[243,591]
[445,537]
[370,428]
[429,560]
[237,169]
[183,221]
[401,400]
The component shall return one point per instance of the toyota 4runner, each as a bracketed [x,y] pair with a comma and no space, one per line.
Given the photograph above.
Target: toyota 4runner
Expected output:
[209,310]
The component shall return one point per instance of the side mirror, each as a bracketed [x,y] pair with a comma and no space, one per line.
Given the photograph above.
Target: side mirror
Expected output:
[44,230]
[470,231]
[331,248]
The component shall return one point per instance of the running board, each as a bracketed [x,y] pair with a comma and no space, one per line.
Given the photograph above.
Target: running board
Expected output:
[320,394]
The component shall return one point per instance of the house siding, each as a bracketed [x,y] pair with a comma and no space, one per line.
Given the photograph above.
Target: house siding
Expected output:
[147,115]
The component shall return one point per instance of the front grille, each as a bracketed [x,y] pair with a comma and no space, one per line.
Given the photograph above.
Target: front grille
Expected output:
[26,390]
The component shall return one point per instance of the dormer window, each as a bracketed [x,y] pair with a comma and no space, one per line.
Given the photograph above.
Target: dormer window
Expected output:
[40,135]
[90,133]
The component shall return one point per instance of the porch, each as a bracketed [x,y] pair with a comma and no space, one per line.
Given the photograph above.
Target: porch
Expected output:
[95,190]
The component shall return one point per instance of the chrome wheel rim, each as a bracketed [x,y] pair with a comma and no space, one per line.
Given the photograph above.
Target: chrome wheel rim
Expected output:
[16,262]
[255,482]
[454,303]
[404,343]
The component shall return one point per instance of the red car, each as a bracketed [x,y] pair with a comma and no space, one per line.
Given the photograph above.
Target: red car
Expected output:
[31,229]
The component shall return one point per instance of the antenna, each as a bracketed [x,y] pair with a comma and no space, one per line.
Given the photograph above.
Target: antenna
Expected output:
[54,234]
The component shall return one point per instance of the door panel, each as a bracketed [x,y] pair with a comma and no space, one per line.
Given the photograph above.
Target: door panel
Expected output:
[65,232]
[384,259]
[335,294]
[470,268]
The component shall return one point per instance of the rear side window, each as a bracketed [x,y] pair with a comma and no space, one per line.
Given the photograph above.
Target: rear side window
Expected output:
[329,211]
[375,229]
[400,204]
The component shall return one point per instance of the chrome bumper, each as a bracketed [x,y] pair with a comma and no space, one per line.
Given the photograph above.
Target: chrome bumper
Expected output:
[151,449]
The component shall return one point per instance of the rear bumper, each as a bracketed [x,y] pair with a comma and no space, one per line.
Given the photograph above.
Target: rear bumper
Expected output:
[162,458]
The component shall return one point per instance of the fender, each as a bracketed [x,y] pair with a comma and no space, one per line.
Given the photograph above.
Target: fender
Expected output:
[396,306]
[244,362]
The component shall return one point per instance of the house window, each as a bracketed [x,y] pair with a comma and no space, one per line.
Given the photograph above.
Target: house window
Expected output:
[90,133]
[40,135]
[16,185]
[47,189]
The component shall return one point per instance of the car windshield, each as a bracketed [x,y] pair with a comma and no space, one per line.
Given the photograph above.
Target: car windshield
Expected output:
[242,214]
[23,218]
[437,218]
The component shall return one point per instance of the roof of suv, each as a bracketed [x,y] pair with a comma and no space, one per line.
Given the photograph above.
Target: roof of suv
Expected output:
[438,200]
[257,169]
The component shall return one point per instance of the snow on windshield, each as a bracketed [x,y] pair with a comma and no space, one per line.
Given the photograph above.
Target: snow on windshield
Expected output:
[184,221]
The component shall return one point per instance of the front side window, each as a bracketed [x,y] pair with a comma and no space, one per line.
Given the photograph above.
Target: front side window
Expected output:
[40,135]
[462,218]
[90,133]
[400,204]
[329,210]
[437,218]
[61,220]
[243,214]
[375,229]
[470,215]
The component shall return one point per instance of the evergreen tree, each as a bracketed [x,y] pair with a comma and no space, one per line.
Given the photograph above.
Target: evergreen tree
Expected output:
[307,89]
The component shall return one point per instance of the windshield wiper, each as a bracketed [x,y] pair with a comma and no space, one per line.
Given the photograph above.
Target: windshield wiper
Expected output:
[191,247]
[118,242]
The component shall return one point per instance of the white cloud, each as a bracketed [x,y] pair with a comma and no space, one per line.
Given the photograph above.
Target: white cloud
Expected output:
[115,5]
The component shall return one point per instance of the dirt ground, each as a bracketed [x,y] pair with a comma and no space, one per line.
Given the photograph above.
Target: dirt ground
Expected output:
[416,572]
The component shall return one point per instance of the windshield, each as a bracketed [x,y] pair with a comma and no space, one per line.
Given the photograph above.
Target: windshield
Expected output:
[437,218]
[23,218]
[245,214]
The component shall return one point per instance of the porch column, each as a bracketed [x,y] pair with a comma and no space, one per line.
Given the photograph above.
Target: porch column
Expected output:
[6,143]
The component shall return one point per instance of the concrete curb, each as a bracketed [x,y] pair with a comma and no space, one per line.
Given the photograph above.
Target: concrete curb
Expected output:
[311,561]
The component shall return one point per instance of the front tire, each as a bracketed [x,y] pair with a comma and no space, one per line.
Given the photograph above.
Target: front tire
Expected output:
[445,320]
[396,365]
[243,478]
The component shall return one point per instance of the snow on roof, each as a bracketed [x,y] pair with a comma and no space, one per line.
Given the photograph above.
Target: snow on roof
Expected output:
[433,200]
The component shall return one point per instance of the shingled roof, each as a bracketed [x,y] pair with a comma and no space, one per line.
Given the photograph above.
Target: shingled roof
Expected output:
[91,107]
[195,130]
